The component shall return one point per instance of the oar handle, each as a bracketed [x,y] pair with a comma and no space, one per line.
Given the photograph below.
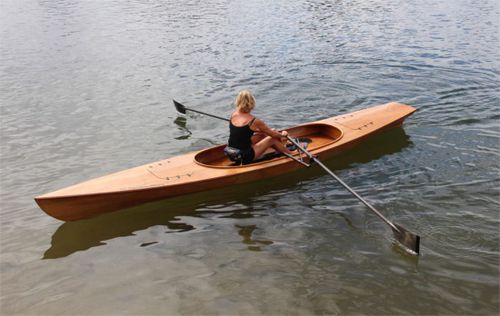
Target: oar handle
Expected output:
[316,160]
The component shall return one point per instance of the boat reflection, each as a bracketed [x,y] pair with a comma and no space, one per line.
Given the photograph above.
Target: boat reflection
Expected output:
[82,235]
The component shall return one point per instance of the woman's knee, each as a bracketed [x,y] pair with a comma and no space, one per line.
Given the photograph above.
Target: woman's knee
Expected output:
[261,146]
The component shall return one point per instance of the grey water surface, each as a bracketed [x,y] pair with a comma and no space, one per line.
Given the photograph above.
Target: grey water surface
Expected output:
[86,89]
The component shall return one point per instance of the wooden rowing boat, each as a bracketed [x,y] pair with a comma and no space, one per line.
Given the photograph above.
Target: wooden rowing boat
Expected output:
[210,168]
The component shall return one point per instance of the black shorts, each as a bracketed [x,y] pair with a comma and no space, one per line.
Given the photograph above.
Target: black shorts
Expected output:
[247,155]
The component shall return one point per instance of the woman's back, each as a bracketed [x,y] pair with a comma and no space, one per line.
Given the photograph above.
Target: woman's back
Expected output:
[240,132]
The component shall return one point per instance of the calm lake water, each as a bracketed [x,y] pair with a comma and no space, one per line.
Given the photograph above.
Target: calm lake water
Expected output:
[86,89]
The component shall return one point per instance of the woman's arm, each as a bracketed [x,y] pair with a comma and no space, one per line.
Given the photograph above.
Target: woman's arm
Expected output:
[262,127]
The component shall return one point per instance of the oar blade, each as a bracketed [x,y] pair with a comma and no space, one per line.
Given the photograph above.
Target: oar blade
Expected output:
[409,240]
[179,107]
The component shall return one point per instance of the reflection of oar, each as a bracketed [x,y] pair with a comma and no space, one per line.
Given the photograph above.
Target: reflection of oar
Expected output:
[406,238]
[181,122]
[182,109]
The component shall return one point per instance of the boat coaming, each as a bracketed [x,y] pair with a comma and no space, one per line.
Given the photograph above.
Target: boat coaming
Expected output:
[319,135]
[210,169]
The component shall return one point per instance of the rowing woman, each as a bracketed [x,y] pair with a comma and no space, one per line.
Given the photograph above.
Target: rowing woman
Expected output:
[250,135]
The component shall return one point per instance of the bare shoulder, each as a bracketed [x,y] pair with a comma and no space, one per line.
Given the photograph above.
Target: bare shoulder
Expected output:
[258,122]
[259,125]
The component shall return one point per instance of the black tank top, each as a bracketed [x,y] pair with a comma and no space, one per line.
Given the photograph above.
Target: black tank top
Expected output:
[240,136]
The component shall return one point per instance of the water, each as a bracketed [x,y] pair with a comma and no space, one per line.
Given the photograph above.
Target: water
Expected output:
[86,89]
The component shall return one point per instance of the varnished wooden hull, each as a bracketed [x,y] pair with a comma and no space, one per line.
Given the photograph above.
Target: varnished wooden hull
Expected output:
[209,169]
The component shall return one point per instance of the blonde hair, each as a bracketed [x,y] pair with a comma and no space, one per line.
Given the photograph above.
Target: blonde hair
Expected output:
[245,101]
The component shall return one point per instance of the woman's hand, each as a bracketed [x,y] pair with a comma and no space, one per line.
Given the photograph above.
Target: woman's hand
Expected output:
[284,134]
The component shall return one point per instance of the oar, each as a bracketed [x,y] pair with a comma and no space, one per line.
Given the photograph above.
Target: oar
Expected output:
[182,109]
[409,240]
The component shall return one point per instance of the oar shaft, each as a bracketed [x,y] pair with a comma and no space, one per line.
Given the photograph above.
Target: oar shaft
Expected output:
[344,184]
[214,116]
[406,238]
[356,194]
